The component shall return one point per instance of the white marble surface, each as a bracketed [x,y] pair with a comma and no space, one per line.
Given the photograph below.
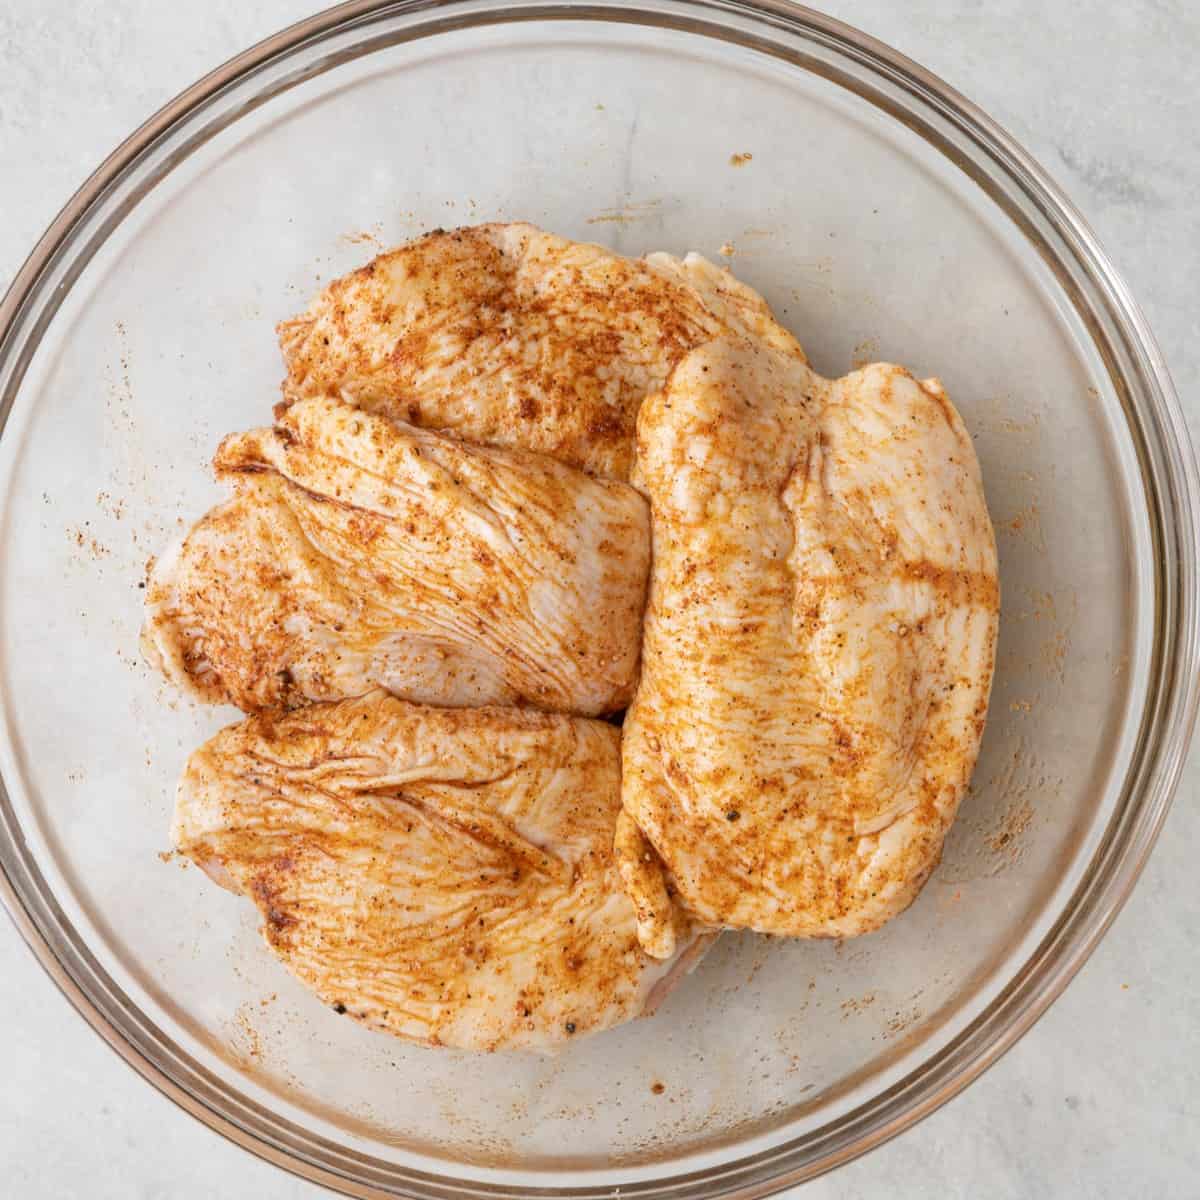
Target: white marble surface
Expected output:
[1102,1099]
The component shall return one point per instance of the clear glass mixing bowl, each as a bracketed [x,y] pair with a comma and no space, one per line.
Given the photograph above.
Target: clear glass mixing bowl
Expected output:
[884,217]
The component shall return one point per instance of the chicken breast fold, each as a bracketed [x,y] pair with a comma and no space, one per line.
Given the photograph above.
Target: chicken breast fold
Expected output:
[511,336]
[445,875]
[359,552]
[818,643]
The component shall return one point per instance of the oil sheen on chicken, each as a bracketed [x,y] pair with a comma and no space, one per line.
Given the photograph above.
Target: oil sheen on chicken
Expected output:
[818,644]
[511,336]
[445,875]
[358,553]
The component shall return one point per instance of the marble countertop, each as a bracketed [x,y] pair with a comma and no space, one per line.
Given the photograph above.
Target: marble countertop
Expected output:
[1102,1098]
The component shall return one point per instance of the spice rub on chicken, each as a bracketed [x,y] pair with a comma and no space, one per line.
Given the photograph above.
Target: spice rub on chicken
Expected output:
[445,875]
[818,645]
[512,336]
[358,552]
[508,470]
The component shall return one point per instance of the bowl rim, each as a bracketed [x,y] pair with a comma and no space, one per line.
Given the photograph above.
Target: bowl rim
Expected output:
[1173,497]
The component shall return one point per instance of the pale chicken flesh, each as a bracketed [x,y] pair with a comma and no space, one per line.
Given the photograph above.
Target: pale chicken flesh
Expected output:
[512,336]
[445,875]
[818,644]
[359,552]
[443,510]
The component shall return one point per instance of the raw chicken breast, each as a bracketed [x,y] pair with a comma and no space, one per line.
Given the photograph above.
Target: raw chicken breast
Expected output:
[818,644]
[514,337]
[445,875]
[360,553]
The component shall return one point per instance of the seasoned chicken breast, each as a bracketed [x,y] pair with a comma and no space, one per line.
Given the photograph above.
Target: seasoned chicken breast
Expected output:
[445,875]
[360,553]
[514,337]
[818,645]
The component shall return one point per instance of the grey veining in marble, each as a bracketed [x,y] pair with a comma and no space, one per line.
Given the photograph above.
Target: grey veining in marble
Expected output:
[1102,1099]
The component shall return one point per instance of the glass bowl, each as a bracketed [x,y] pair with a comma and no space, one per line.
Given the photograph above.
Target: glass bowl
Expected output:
[884,218]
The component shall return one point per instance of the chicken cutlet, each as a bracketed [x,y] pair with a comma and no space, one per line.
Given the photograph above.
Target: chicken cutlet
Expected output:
[818,644]
[358,552]
[514,337]
[444,875]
